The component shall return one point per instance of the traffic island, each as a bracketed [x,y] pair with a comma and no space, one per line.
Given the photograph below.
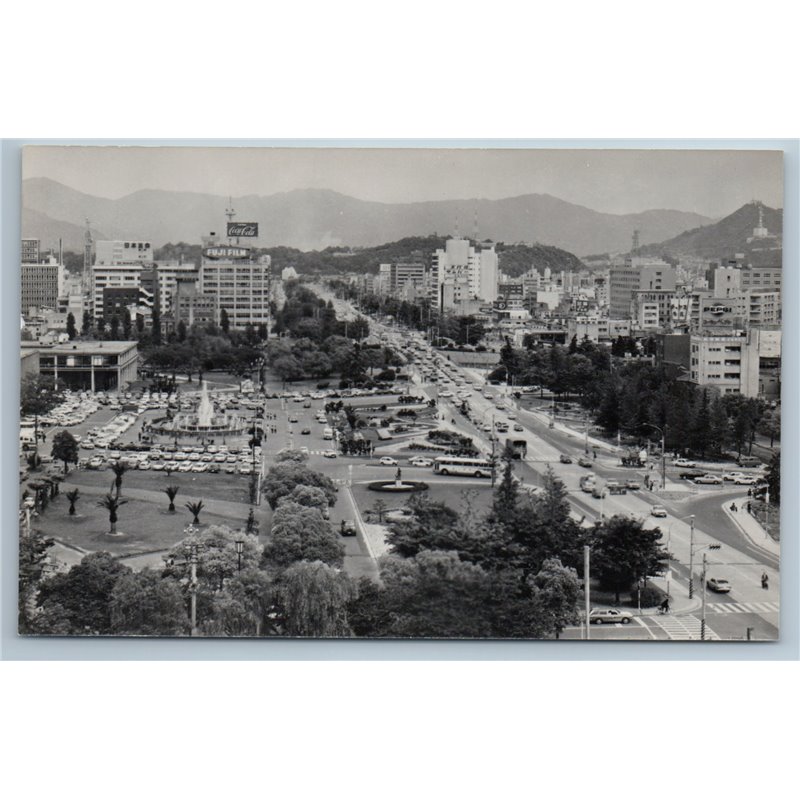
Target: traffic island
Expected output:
[397,486]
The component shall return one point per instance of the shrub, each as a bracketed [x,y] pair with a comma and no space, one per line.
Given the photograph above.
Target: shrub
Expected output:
[651,596]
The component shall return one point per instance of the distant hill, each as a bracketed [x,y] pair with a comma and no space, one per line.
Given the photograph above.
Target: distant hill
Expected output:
[728,236]
[513,259]
[315,219]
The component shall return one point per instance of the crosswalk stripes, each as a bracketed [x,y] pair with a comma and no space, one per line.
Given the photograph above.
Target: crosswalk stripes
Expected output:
[683,627]
[743,608]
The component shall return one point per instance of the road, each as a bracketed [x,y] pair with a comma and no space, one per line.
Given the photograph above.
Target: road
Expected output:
[748,606]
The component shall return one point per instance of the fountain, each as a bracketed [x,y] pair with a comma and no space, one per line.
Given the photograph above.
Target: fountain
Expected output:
[397,485]
[201,422]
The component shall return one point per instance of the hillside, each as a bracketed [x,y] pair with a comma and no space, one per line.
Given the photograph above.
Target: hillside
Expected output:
[513,259]
[315,219]
[726,237]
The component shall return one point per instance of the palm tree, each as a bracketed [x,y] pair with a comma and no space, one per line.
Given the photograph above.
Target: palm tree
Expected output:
[171,491]
[72,496]
[111,504]
[119,470]
[195,508]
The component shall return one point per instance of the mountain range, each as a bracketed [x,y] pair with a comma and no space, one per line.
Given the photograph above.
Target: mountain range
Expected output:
[313,219]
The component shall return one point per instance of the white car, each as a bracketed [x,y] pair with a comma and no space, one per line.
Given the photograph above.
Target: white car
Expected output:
[329,453]
[199,467]
[733,476]
[745,480]
[684,462]
[186,466]
[445,394]
[419,461]
[157,466]
[388,461]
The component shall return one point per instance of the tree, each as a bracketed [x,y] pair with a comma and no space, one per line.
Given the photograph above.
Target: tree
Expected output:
[309,496]
[300,533]
[101,326]
[65,449]
[287,368]
[379,509]
[291,456]
[86,324]
[313,598]
[224,321]
[156,321]
[217,556]
[505,495]
[127,323]
[119,469]
[112,505]
[557,592]
[281,480]
[263,333]
[114,330]
[83,594]
[38,395]
[773,475]
[245,607]
[770,425]
[433,525]
[139,324]
[146,604]
[195,507]
[33,550]
[72,331]
[171,492]
[181,331]
[623,552]
[72,496]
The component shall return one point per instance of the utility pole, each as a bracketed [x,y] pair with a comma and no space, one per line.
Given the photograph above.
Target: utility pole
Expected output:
[193,586]
[586,590]
[703,613]
[691,556]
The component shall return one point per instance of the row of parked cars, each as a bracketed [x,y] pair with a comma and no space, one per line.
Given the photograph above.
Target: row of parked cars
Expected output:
[189,458]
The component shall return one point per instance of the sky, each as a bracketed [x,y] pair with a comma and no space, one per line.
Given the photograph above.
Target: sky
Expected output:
[710,182]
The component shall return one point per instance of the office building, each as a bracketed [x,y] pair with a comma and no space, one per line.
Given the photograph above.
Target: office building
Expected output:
[461,272]
[42,284]
[121,252]
[637,275]
[761,278]
[30,251]
[240,282]
[730,363]
[98,366]
[192,307]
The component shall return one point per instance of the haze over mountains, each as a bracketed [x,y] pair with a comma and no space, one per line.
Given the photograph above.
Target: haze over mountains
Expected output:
[312,219]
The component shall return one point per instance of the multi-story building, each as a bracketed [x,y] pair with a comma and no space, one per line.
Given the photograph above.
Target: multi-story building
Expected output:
[762,278]
[468,273]
[30,251]
[651,309]
[729,363]
[764,308]
[637,275]
[121,252]
[42,285]
[240,282]
[98,366]
[724,281]
[192,307]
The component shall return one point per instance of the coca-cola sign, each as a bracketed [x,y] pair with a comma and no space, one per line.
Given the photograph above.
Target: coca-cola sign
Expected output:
[242,229]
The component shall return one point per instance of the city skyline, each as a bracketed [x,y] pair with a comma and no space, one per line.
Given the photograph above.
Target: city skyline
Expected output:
[608,181]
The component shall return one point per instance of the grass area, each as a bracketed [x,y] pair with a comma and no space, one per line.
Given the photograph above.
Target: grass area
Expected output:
[772,525]
[193,485]
[145,526]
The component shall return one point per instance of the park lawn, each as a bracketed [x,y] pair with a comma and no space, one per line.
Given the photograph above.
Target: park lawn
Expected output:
[145,525]
[193,485]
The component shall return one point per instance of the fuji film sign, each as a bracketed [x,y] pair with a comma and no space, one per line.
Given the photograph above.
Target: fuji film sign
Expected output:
[243,229]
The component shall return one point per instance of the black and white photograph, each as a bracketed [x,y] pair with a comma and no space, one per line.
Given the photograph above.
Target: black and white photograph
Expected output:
[400,393]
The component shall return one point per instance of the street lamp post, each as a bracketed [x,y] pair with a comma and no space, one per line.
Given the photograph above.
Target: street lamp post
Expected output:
[703,613]
[239,548]
[662,431]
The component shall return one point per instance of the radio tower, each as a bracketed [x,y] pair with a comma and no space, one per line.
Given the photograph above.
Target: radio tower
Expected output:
[635,241]
[230,214]
[87,256]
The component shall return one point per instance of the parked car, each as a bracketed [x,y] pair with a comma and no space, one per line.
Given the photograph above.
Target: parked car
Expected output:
[632,485]
[292,419]
[305,432]
[745,480]
[684,462]
[388,461]
[599,616]
[712,479]
[658,511]
[419,461]
[519,428]
[718,585]
[732,476]
[564,459]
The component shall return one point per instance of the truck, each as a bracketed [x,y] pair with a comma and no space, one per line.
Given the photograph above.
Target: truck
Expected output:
[327,433]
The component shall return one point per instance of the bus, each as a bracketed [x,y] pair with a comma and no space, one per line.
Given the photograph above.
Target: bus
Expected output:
[453,465]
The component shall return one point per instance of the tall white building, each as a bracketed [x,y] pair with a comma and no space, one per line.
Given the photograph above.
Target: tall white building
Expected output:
[461,272]
[241,282]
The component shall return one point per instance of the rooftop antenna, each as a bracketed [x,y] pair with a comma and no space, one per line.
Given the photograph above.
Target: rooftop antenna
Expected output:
[230,213]
[455,234]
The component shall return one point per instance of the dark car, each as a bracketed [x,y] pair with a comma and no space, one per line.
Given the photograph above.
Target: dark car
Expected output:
[564,459]
[347,527]
[305,432]
[691,474]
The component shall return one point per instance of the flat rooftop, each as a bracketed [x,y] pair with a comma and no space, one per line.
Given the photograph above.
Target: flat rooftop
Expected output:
[91,347]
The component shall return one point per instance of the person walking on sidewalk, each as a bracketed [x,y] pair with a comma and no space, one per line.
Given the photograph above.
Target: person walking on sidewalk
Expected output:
[764,580]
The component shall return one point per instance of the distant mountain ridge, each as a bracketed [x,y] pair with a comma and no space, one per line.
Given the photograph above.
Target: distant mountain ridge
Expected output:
[727,237]
[313,219]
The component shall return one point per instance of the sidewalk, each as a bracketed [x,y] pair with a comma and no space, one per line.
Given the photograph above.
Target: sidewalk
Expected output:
[750,526]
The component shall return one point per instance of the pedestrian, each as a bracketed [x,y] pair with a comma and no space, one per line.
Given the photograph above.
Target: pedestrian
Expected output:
[733,508]
[748,506]
[764,580]
[749,494]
